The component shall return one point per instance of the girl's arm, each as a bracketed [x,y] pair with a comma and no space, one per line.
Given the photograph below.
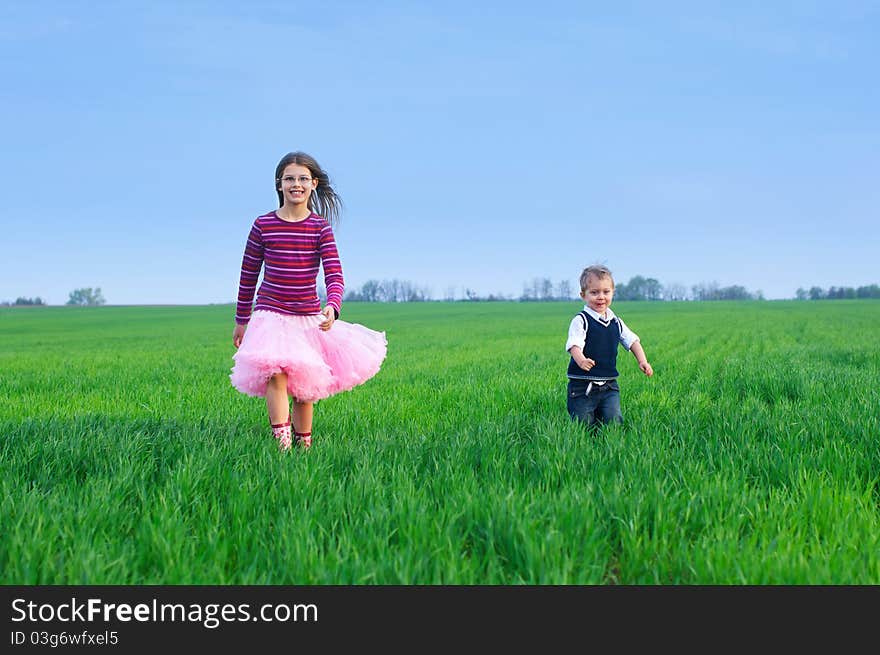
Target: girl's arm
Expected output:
[251,263]
[238,334]
[332,266]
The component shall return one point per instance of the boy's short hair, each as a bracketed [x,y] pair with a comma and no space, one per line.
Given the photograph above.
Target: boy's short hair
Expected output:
[597,270]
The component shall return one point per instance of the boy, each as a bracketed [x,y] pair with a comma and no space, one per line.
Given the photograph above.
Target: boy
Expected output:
[593,335]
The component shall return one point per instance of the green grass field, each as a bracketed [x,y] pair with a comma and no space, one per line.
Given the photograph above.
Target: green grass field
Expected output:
[751,457]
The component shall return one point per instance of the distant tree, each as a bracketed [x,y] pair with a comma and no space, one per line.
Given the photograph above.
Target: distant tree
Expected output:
[869,291]
[653,289]
[86,297]
[29,301]
[839,293]
[409,292]
[563,290]
[801,294]
[636,289]
[540,288]
[546,289]
[370,291]
[639,288]
[675,291]
[735,292]
[705,291]
[389,291]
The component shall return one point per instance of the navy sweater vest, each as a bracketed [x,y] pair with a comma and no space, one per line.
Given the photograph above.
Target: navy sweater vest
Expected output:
[601,347]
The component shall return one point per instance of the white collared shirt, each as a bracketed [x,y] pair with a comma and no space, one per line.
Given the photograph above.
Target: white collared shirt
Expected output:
[577,333]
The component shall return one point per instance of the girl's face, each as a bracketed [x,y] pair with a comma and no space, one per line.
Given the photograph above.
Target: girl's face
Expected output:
[297,184]
[599,292]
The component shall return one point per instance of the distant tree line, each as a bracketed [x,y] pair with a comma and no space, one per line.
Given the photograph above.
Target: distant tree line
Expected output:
[838,293]
[389,291]
[712,291]
[639,288]
[538,289]
[541,289]
[21,301]
[87,297]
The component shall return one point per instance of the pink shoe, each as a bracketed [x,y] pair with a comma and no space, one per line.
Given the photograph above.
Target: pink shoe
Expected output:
[282,434]
[304,440]
[284,442]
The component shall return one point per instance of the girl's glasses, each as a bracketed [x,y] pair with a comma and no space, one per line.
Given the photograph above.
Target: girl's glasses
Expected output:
[302,179]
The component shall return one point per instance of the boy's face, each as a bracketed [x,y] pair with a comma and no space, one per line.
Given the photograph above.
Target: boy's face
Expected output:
[598,294]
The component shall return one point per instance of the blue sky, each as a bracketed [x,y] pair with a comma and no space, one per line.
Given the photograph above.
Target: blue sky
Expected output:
[474,144]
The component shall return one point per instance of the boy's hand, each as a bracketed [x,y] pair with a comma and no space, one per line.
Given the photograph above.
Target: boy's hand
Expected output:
[587,364]
[646,369]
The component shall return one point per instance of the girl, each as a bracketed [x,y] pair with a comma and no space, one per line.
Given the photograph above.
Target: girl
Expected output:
[289,346]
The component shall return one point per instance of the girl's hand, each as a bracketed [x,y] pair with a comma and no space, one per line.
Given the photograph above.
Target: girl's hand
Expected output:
[329,318]
[646,369]
[238,334]
[587,364]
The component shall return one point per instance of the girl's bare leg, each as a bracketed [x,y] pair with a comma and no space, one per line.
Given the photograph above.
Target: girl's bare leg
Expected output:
[276,399]
[302,423]
[279,410]
[302,417]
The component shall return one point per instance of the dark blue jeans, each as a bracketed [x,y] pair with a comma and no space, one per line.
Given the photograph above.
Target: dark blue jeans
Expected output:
[600,405]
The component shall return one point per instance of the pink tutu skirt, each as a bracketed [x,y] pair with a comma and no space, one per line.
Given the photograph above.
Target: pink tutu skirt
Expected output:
[318,364]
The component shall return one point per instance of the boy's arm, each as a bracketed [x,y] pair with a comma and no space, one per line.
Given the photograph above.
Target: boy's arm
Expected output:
[639,353]
[577,337]
[577,354]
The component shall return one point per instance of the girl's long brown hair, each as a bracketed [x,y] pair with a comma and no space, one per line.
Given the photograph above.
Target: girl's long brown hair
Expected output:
[324,200]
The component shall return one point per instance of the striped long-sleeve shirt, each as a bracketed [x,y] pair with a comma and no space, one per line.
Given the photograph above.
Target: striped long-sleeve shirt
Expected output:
[292,254]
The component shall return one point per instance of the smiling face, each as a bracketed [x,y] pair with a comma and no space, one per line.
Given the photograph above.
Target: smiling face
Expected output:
[599,292]
[296,185]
